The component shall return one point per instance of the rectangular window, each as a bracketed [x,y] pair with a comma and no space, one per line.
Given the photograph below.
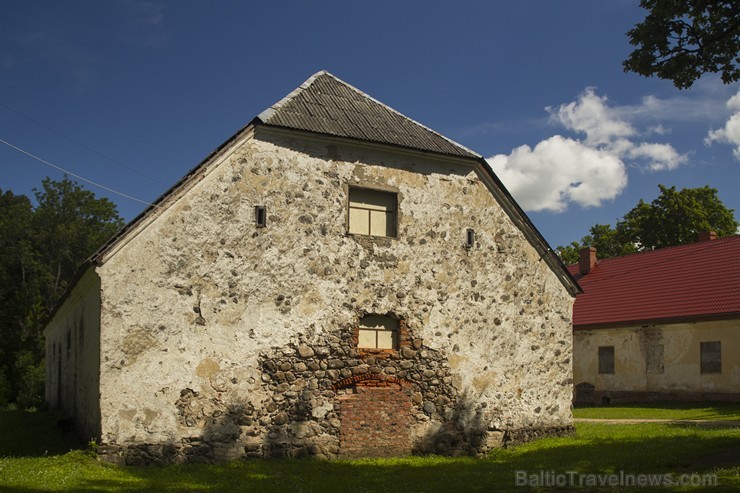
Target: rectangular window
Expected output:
[372,212]
[606,359]
[378,332]
[711,357]
[654,362]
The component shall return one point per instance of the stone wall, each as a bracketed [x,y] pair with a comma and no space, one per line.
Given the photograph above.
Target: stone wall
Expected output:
[221,339]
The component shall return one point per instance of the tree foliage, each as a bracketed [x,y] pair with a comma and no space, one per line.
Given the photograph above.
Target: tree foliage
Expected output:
[679,40]
[41,249]
[674,218]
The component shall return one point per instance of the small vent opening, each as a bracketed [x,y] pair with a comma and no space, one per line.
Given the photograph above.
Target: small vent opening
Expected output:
[469,238]
[260,216]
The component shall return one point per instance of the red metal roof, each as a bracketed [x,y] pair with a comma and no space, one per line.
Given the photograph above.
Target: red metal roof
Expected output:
[687,282]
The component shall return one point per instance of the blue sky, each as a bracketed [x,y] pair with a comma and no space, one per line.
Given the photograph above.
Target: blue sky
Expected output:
[149,88]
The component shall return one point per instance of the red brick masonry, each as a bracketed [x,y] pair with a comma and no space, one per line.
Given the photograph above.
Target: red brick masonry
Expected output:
[370,380]
[376,418]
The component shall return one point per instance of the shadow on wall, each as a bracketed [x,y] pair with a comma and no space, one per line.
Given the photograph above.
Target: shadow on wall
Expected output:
[226,432]
[294,430]
[464,431]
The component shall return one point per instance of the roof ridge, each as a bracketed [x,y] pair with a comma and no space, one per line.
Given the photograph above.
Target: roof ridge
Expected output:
[269,112]
[695,244]
[686,282]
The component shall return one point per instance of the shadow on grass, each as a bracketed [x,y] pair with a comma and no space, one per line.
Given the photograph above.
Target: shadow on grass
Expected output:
[720,408]
[706,411]
[34,434]
[598,449]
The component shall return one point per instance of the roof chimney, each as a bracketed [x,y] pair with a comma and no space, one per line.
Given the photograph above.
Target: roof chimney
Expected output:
[706,235]
[586,260]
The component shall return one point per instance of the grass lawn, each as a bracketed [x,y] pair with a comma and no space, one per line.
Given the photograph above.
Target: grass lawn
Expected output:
[648,448]
[715,411]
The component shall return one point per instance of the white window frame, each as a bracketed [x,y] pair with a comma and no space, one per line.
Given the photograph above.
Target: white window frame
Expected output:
[372,204]
[375,327]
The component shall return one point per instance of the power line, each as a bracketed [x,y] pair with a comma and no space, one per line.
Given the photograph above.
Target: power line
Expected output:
[79,143]
[76,176]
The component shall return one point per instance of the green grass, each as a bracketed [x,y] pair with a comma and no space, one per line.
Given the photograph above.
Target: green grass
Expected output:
[641,448]
[714,411]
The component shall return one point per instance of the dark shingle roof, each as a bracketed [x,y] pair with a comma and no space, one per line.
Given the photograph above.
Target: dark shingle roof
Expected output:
[327,105]
[687,282]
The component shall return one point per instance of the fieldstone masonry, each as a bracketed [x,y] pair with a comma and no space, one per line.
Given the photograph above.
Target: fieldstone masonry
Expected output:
[222,340]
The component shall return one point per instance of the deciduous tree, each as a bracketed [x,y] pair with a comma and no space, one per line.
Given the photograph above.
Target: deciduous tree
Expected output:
[41,248]
[673,218]
[680,40]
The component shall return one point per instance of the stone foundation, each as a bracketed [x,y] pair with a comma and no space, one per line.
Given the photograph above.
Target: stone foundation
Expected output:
[606,397]
[380,445]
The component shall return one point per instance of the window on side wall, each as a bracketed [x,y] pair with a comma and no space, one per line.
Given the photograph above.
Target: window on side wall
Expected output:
[378,332]
[711,357]
[654,360]
[606,360]
[372,212]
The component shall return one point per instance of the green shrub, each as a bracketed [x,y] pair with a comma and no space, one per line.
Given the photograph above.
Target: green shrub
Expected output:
[31,380]
[5,390]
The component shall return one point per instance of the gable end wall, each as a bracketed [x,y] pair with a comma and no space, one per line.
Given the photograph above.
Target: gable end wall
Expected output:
[229,339]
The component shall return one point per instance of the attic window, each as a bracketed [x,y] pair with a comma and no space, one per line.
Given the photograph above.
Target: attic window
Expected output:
[378,332]
[260,216]
[372,212]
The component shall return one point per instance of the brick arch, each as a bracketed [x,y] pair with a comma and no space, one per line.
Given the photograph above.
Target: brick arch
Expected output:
[375,416]
[371,380]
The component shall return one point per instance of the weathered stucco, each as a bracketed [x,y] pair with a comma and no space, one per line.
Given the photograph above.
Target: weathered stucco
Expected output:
[72,341]
[220,339]
[679,376]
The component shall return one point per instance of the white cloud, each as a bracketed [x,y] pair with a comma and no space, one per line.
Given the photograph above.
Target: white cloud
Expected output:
[607,129]
[590,115]
[561,170]
[658,130]
[730,133]
[659,157]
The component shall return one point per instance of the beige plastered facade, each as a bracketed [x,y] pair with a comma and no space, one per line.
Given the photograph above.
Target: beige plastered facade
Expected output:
[194,297]
[681,377]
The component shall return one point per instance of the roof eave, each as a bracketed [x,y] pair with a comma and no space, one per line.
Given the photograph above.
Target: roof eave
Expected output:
[190,175]
[707,317]
[530,231]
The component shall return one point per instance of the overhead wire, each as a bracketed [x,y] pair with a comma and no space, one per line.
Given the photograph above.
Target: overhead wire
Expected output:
[75,175]
[88,148]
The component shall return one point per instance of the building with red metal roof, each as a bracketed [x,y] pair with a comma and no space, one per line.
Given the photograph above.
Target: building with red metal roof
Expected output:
[661,324]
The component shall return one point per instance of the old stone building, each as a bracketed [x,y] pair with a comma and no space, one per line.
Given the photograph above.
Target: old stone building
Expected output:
[336,280]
